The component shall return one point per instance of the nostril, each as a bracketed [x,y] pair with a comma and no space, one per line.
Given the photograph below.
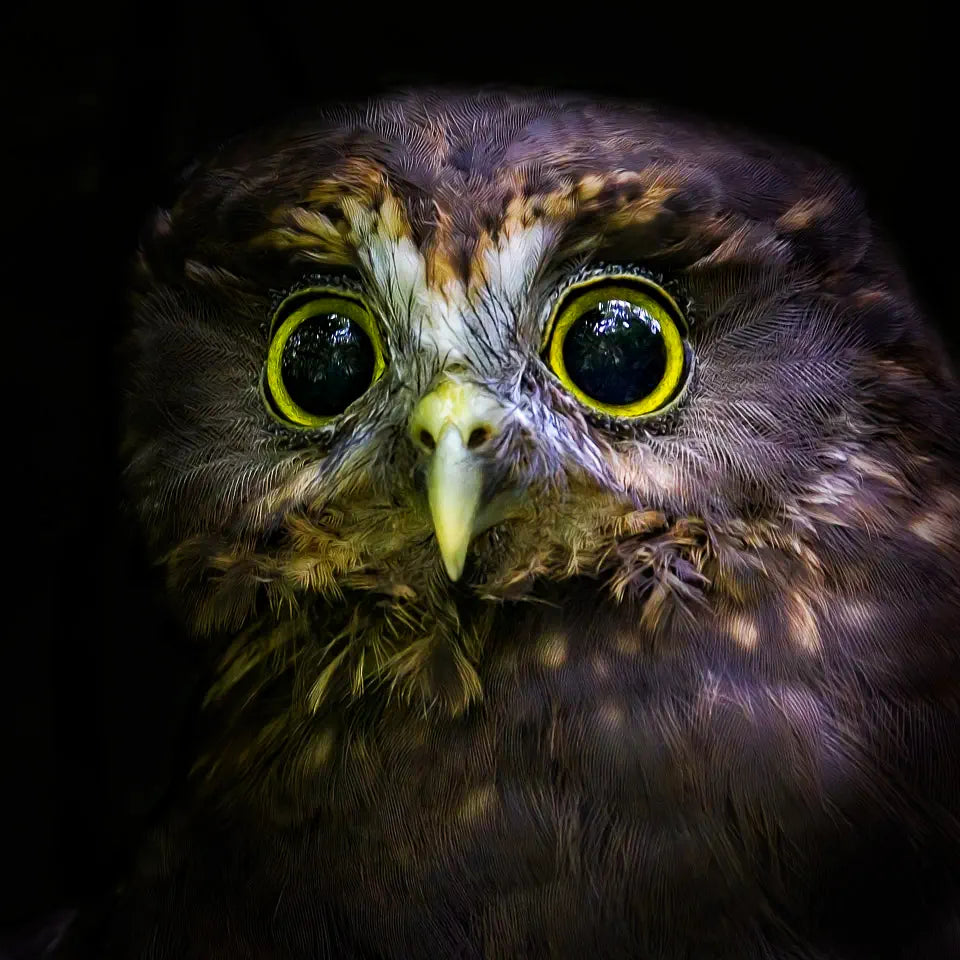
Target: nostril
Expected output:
[427,440]
[478,437]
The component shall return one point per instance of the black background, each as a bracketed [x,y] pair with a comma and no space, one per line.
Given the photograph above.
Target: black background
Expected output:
[104,111]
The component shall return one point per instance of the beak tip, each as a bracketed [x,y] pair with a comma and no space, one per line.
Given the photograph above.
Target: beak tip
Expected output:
[453,562]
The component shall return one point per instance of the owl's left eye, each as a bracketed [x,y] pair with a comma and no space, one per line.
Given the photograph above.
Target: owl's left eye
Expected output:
[325,353]
[616,343]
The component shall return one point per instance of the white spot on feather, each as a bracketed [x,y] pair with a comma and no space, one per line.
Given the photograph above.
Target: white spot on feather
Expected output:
[744,631]
[803,623]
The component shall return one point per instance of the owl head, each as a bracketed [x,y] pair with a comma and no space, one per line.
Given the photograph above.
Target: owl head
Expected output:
[404,366]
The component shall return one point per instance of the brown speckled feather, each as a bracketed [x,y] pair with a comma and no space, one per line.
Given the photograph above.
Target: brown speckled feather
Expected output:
[697,697]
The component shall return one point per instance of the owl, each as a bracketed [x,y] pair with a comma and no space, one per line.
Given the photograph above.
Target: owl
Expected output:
[564,497]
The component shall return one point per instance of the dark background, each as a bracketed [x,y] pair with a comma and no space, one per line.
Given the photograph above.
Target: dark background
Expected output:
[104,111]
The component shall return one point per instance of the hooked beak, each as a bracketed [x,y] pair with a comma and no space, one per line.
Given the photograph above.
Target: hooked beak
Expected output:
[452,423]
[454,482]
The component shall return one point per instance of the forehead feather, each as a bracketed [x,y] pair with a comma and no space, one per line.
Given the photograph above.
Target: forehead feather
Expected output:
[481,185]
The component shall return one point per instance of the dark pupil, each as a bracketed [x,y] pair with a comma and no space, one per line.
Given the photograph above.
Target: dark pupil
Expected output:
[327,363]
[615,352]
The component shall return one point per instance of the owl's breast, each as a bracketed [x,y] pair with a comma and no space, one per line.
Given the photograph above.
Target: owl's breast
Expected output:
[603,792]
[613,791]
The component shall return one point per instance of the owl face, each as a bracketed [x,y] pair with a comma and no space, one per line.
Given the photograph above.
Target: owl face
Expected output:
[440,354]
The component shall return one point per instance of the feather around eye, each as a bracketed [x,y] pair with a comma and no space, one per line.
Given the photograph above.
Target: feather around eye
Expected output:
[615,339]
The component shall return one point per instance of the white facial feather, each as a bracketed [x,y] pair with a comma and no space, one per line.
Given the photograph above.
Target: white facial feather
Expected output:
[442,319]
[511,265]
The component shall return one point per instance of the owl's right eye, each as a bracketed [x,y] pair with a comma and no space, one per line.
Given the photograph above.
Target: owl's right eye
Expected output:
[325,353]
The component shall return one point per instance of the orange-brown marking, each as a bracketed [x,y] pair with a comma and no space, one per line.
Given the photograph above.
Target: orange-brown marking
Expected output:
[805,212]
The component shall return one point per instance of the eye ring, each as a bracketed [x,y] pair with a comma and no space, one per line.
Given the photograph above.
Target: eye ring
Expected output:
[579,298]
[301,306]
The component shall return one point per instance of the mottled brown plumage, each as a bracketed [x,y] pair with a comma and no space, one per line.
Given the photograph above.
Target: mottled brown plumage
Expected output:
[696,696]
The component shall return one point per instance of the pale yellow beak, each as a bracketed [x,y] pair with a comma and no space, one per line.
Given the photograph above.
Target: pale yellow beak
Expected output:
[451,424]
[454,482]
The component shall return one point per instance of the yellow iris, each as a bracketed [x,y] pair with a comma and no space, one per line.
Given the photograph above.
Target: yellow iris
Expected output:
[310,303]
[647,298]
